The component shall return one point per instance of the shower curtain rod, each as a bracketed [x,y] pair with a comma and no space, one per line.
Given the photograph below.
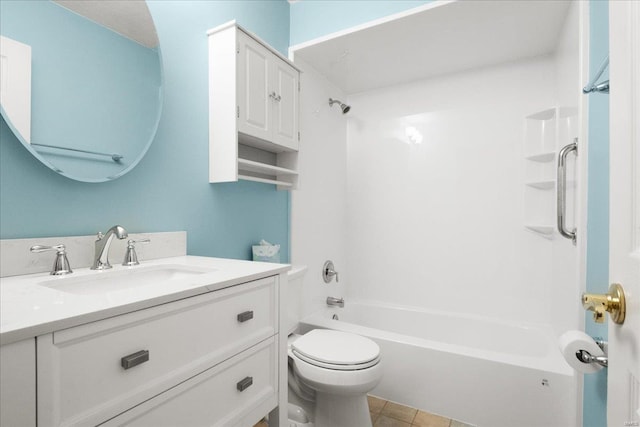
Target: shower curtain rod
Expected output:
[592,86]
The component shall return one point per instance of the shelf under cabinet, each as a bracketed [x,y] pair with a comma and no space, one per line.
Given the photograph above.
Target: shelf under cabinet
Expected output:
[265,181]
[257,167]
[542,157]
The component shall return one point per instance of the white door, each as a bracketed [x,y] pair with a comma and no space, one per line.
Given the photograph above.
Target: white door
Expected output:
[623,396]
[254,103]
[15,84]
[285,117]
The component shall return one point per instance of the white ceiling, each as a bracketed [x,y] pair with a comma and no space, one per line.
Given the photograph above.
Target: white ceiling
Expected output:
[441,38]
[129,18]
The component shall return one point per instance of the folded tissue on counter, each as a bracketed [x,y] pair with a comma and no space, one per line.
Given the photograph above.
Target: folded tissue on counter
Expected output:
[266,252]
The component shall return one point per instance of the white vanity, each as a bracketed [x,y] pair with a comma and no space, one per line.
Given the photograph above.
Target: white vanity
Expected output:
[186,341]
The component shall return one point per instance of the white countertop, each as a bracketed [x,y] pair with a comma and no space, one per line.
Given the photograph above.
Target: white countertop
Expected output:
[29,309]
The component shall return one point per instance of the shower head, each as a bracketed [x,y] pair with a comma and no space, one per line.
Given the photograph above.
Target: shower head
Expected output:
[344,107]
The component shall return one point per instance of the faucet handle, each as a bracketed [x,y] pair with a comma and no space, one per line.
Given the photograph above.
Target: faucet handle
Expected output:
[42,248]
[60,264]
[130,257]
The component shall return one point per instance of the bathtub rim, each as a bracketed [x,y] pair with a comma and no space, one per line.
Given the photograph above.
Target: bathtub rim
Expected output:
[553,360]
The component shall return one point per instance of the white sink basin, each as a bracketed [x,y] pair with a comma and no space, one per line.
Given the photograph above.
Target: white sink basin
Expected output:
[101,282]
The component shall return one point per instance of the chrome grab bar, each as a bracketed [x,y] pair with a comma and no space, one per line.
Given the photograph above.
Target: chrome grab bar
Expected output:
[562,190]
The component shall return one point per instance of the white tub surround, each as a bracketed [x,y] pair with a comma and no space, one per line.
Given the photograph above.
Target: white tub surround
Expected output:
[318,221]
[171,333]
[485,372]
[432,193]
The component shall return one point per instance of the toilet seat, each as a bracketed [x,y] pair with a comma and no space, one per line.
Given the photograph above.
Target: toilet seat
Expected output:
[336,350]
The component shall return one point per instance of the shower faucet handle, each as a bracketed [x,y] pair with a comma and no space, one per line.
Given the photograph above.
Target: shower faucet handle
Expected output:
[328,272]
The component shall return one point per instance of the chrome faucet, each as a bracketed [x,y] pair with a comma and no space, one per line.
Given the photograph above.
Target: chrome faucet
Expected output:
[333,301]
[101,257]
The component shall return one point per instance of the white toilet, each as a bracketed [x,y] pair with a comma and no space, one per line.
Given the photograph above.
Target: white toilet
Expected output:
[330,372]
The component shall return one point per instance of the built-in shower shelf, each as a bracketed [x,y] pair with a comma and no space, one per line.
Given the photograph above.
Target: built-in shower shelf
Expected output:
[264,168]
[543,185]
[545,132]
[265,181]
[545,230]
[542,157]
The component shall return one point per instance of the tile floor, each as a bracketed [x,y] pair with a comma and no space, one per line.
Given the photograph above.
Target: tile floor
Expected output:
[389,414]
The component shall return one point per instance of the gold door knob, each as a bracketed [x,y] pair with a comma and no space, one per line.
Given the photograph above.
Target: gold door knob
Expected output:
[613,302]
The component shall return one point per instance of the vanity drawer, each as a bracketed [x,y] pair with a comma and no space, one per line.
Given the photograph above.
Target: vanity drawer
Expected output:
[91,373]
[238,391]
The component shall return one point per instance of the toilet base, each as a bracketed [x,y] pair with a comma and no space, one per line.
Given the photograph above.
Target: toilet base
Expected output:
[342,411]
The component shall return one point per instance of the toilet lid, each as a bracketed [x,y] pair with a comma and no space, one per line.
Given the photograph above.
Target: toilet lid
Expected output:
[329,348]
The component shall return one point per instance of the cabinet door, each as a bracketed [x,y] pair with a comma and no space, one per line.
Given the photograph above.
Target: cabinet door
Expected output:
[254,109]
[18,384]
[285,113]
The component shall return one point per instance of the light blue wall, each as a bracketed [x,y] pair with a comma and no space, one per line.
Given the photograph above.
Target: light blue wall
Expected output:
[595,386]
[315,18]
[169,189]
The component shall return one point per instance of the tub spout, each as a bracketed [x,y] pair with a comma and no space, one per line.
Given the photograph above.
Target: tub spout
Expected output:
[333,301]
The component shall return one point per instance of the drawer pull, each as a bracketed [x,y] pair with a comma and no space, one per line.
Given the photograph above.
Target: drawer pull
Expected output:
[134,359]
[244,384]
[247,315]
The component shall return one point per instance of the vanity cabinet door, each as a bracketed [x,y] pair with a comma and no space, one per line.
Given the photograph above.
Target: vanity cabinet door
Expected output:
[18,384]
[254,87]
[237,392]
[93,372]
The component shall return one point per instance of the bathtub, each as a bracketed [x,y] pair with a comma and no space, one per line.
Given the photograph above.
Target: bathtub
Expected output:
[480,371]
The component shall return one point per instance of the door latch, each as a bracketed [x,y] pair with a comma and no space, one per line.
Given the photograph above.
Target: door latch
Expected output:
[613,302]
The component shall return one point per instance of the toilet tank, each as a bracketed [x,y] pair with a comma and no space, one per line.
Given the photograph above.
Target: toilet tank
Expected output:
[295,278]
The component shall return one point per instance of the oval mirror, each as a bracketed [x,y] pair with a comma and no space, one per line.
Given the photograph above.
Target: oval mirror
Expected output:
[81,83]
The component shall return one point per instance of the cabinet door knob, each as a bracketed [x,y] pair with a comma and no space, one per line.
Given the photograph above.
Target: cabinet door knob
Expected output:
[135,359]
[273,95]
[244,383]
[247,315]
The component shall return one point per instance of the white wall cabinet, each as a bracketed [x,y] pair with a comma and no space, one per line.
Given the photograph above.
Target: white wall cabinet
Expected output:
[253,110]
